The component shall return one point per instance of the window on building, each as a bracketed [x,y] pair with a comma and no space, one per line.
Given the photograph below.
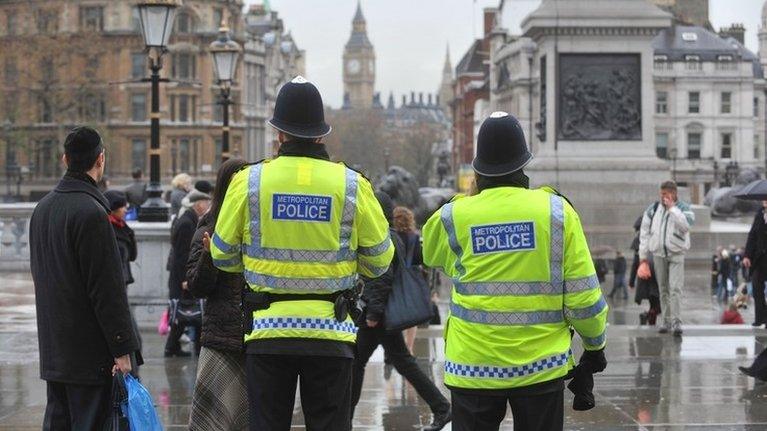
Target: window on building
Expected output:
[92,65]
[184,65]
[44,109]
[725,149]
[694,145]
[726,106]
[661,102]
[45,159]
[693,102]
[172,108]
[218,113]
[184,23]
[218,16]
[138,154]
[219,149]
[47,71]
[183,108]
[135,20]
[92,18]
[183,154]
[11,24]
[692,63]
[138,65]
[756,106]
[757,147]
[47,21]
[10,72]
[661,145]
[138,107]
[93,108]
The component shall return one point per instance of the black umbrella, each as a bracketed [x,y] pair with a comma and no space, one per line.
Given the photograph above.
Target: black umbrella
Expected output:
[753,191]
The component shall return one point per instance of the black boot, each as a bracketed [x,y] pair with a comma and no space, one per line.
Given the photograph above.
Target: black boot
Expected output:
[440,420]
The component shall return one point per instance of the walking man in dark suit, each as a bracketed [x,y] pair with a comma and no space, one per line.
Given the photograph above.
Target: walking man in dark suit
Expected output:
[755,258]
[84,325]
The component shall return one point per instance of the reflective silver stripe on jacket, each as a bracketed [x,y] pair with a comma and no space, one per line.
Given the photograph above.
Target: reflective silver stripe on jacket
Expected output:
[594,341]
[377,249]
[557,240]
[503,288]
[496,372]
[506,318]
[581,284]
[587,312]
[344,254]
[446,215]
[291,283]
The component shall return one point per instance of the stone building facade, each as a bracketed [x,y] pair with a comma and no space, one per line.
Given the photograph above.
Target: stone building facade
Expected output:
[66,63]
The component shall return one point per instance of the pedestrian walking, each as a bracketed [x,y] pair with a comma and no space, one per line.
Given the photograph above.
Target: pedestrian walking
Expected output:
[723,276]
[755,258]
[523,276]
[220,399]
[665,234]
[182,185]
[84,327]
[373,334]
[126,244]
[619,278]
[136,193]
[181,236]
[200,186]
[300,227]
[403,224]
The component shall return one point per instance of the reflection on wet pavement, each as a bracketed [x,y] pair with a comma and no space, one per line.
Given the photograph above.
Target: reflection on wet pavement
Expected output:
[653,382]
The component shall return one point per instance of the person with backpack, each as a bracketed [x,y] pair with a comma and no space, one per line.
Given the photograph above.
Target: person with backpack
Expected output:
[372,332]
[665,233]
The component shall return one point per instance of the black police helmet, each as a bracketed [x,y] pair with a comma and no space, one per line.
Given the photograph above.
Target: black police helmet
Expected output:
[501,146]
[299,111]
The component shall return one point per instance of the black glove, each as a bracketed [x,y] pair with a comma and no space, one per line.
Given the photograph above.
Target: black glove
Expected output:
[582,386]
[594,361]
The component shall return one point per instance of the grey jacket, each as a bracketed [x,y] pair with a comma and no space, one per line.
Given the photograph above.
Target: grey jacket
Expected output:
[665,232]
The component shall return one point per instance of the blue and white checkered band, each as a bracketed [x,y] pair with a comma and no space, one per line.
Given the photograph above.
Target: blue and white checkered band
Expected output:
[518,318]
[586,313]
[377,249]
[557,239]
[495,372]
[223,245]
[446,215]
[311,284]
[504,237]
[301,208]
[228,263]
[306,323]
[594,341]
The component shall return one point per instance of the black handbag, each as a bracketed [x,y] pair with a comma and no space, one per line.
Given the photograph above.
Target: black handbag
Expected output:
[409,302]
[118,421]
[186,312]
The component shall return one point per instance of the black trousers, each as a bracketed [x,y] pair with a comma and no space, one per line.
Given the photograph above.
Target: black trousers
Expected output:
[173,343]
[757,286]
[77,407]
[326,384]
[543,412]
[368,339]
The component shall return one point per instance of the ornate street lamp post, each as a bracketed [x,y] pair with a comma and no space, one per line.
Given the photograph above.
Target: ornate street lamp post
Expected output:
[156,25]
[225,53]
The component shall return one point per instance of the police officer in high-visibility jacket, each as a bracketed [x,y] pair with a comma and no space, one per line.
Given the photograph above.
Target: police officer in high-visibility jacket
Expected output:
[522,277]
[301,228]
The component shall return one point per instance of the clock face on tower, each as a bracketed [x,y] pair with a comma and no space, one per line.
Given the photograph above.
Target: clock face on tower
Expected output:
[353,67]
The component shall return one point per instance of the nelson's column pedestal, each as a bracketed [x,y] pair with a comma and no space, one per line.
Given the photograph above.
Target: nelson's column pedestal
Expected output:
[595,61]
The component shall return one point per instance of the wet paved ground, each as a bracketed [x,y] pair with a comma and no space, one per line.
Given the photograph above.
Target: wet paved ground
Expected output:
[653,382]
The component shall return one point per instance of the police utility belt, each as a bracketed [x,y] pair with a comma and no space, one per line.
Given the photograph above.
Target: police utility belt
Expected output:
[345,303]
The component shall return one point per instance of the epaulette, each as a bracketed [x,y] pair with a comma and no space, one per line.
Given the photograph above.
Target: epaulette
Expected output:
[457,196]
[247,165]
[554,191]
[355,170]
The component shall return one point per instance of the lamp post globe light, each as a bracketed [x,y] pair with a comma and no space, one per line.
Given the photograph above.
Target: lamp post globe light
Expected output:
[157,18]
[226,54]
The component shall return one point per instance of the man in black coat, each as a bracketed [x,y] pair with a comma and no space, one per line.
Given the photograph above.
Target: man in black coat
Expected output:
[181,236]
[84,325]
[755,258]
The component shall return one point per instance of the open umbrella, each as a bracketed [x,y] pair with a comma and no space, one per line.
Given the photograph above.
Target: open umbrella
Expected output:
[753,191]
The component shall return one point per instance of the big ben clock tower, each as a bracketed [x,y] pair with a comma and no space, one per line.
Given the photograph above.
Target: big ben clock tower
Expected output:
[359,66]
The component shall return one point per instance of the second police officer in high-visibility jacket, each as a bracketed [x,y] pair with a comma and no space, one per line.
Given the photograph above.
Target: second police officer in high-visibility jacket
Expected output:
[300,228]
[522,277]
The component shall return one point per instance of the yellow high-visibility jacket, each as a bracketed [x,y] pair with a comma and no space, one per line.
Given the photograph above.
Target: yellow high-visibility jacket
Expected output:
[522,276]
[301,225]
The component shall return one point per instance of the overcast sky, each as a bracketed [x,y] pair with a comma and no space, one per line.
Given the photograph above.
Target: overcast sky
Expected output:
[410,36]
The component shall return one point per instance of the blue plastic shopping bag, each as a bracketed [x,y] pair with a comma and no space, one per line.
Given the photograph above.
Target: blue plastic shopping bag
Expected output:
[140,408]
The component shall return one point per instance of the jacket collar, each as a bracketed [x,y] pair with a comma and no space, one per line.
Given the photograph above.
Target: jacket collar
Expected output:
[73,182]
[304,149]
